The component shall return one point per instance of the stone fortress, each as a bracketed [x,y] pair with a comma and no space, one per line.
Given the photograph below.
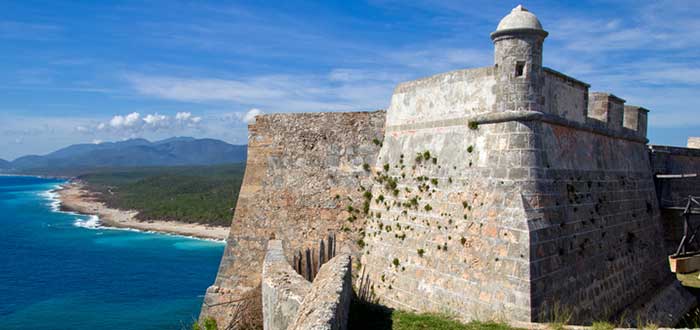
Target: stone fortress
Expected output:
[489,193]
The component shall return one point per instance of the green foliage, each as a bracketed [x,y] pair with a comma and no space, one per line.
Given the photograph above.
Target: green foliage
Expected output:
[412,321]
[365,167]
[396,262]
[421,252]
[602,326]
[473,125]
[470,149]
[427,207]
[367,315]
[209,324]
[195,194]
[386,167]
[361,243]
[377,142]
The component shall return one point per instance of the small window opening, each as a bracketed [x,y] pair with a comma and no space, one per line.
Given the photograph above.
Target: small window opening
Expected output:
[519,68]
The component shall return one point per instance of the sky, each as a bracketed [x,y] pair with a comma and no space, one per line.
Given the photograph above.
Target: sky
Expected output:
[93,71]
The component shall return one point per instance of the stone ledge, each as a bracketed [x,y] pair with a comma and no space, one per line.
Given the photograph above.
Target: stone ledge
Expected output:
[283,290]
[328,304]
[591,125]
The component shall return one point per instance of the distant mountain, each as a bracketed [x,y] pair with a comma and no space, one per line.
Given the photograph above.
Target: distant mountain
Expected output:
[4,164]
[178,151]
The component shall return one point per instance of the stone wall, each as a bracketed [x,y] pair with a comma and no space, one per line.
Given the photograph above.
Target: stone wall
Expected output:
[694,142]
[283,289]
[292,302]
[565,96]
[303,173]
[327,305]
[463,91]
[447,229]
[595,245]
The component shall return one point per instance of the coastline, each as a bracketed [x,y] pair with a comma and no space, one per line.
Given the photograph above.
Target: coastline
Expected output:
[74,197]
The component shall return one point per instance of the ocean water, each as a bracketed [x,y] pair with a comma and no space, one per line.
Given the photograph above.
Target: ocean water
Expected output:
[62,271]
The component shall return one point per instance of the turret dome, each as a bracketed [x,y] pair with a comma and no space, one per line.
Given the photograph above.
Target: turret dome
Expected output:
[519,19]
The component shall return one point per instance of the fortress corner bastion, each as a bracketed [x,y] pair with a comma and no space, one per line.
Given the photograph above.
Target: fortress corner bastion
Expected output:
[489,193]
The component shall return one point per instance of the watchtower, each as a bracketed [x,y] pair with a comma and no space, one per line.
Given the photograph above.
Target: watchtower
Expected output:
[518,43]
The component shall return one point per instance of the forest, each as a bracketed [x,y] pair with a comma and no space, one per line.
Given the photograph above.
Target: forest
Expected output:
[195,194]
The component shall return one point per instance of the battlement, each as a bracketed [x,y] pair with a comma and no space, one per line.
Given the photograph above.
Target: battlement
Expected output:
[606,108]
[635,118]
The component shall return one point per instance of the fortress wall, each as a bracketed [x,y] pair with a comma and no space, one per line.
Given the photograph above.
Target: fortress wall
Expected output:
[451,235]
[674,192]
[302,172]
[444,96]
[565,97]
[596,246]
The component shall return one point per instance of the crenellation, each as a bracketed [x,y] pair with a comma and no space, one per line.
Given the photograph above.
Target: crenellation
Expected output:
[606,108]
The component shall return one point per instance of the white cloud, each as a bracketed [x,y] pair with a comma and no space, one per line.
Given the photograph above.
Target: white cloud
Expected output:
[156,120]
[129,120]
[249,116]
[183,115]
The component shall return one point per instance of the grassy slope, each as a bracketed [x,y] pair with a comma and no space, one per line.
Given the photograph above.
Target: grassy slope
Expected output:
[202,194]
[371,316]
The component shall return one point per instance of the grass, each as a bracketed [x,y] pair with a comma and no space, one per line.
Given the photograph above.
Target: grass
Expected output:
[372,316]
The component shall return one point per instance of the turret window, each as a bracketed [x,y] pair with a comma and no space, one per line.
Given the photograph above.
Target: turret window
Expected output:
[519,68]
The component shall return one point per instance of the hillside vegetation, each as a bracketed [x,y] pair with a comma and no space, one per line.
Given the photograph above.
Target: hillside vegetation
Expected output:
[200,194]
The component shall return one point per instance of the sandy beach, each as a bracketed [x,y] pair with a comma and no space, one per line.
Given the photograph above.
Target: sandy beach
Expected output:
[75,198]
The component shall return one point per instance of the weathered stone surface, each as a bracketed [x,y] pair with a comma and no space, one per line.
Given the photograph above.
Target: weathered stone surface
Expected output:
[283,290]
[303,172]
[327,305]
[694,142]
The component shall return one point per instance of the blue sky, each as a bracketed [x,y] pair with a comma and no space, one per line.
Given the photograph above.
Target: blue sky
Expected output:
[89,71]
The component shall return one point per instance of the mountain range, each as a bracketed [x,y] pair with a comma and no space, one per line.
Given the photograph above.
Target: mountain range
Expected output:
[178,151]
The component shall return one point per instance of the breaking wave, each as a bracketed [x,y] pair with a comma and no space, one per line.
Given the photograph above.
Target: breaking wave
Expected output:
[92,222]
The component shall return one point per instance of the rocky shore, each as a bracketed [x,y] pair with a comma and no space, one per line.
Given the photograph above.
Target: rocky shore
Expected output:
[75,197]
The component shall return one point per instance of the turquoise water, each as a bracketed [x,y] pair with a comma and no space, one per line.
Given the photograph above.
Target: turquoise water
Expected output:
[61,271]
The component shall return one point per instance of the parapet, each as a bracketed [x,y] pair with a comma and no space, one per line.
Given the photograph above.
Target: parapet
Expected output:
[694,142]
[565,96]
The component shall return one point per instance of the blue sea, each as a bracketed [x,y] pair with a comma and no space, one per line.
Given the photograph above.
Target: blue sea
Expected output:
[62,271]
